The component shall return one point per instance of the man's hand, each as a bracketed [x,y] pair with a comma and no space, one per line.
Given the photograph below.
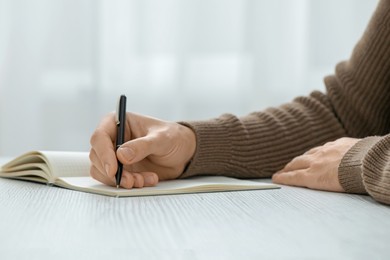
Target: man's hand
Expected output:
[154,150]
[317,168]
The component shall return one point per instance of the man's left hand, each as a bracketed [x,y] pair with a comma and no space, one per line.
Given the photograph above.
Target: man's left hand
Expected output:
[317,168]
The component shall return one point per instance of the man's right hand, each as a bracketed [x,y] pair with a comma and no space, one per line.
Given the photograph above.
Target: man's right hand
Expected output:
[153,150]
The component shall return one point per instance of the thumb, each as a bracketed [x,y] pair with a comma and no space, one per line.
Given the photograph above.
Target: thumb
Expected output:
[135,150]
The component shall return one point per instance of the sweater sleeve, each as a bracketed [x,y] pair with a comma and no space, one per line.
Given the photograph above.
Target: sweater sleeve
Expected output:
[360,88]
[259,144]
[376,171]
[365,168]
[360,94]
[350,168]
[356,104]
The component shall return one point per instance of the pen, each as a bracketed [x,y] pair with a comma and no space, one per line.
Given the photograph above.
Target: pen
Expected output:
[120,137]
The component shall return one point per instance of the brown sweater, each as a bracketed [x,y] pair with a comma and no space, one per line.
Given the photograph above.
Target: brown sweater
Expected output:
[356,104]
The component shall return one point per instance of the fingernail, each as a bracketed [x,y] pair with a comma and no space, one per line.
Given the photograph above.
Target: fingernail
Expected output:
[107,169]
[127,152]
[123,181]
[149,180]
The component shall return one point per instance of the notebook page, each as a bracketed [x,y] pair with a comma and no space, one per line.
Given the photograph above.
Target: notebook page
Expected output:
[191,185]
[67,164]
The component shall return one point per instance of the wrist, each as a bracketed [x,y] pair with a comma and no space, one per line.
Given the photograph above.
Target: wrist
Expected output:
[189,138]
[350,168]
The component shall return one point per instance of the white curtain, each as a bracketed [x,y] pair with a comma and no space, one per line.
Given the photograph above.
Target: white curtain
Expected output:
[63,63]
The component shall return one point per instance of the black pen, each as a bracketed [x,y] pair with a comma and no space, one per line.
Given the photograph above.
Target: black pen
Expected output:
[120,137]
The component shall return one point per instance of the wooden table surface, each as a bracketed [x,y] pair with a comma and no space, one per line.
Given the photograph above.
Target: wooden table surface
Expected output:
[43,222]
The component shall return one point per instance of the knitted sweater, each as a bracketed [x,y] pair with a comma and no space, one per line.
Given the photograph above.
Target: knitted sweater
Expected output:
[356,104]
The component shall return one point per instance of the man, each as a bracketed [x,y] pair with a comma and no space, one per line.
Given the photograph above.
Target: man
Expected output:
[337,141]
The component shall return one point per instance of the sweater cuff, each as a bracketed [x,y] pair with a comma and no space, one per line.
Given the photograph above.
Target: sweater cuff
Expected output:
[213,147]
[350,168]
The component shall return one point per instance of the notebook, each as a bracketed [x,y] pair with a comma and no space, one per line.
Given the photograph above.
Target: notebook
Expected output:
[71,170]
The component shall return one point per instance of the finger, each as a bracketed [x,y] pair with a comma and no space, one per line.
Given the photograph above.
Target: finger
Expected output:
[136,150]
[97,175]
[293,178]
[298,163]
[102,143]
[95,161]
[127,180]
[138,180]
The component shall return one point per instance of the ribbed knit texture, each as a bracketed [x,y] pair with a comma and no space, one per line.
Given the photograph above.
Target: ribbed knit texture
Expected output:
[350,169]
[359,91]
[357,104]
[376,171]
[261,143]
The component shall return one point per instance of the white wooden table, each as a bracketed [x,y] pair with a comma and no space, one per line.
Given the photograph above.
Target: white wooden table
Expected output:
[43,222]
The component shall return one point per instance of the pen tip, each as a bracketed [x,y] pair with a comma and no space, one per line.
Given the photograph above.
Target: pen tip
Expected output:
[117,186]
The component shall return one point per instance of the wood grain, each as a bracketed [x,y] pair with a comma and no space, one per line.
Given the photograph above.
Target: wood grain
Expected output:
[42,222]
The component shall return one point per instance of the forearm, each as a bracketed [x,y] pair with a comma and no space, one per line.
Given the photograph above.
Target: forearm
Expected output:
[259,144]
[356,104]
[359,89]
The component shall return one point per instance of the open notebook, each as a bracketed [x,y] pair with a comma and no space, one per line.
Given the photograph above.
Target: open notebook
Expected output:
[71,170]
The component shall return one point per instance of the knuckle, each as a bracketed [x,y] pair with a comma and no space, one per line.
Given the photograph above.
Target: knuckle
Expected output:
[127,181]
[294,161]
[91,155]
[323,151]
[317,164]
[138,180]
[126,184]
[164,135]
[93,172]
[168,132]
[329,143]
[95,137]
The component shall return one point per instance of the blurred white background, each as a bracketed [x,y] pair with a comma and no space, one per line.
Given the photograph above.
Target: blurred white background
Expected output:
[63,63]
